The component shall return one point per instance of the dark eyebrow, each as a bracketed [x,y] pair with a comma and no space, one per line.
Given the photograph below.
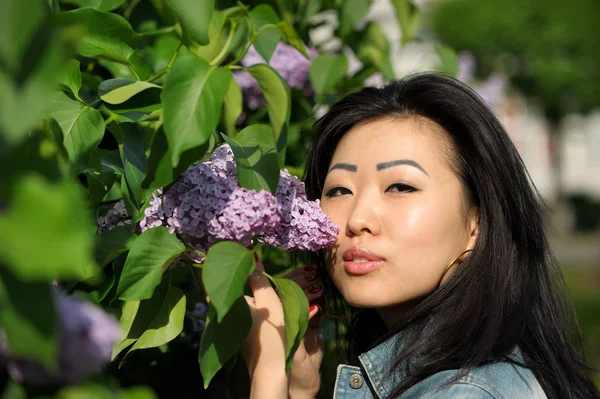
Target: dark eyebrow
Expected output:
[385,165]
[345,166]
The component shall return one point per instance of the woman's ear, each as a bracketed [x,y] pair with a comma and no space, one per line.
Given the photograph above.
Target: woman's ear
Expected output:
[473,226]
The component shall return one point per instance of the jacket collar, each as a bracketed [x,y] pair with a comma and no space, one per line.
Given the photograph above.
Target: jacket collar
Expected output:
[376,363]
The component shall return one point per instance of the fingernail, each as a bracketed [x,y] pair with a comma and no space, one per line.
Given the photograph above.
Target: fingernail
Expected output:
[311,278]
[315,289]
[256,257]
[310,268]
[312,308]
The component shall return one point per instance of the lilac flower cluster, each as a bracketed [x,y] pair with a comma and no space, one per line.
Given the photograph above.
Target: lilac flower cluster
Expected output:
[287,61]
[206,205]
[87,336]
[303,225]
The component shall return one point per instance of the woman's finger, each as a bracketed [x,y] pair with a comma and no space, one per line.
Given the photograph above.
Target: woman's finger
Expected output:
[264,294]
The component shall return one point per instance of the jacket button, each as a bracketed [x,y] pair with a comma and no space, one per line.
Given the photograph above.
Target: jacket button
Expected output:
[356,381]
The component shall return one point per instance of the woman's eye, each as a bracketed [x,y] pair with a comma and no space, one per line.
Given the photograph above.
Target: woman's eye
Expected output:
[337,191]
[401,188]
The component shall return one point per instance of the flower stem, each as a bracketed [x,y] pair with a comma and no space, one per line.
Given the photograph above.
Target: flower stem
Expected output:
[225,49]
[167,68]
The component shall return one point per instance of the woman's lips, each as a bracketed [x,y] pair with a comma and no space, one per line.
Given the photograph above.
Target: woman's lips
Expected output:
[366,263]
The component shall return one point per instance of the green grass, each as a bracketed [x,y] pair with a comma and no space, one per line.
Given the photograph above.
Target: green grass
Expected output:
[584,284]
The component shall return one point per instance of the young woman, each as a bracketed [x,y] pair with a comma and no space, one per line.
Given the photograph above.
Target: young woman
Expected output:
[441,243]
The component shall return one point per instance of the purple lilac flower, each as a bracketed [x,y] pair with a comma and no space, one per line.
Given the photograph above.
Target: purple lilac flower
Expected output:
[304,226]
[287,61]
[206,205]
[87,336]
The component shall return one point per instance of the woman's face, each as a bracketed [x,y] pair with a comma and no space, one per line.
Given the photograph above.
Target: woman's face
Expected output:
[400,209]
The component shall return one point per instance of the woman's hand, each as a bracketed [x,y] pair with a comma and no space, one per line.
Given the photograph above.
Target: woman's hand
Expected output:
[264,348]
[305,379]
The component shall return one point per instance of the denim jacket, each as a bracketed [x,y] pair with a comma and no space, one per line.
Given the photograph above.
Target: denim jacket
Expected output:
[501,380]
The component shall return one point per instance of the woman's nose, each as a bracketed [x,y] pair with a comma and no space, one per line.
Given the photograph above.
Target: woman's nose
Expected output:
[364,216]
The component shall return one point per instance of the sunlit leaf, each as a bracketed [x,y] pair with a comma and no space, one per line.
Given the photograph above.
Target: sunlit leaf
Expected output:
[267,40]
[117,91]
[256,158]
[226,269]
[194,17]
[233,106]
[107,35]
[295,310]
[149,256]
[70,77]
[82,127]
[192,103]
[277,97]
[292,37]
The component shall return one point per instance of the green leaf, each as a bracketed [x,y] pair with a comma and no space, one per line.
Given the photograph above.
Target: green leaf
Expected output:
[295,310]
[157,320]
[221,340]
[134,161]
[70,77]
[117,91]
[277,97]
[292,37]
[326,71]
[101,5]
[267,40]
[233,106]
[28,319]
[82,127]
[128,312]
[20,20]
[351,13]
[374,50]
[150,255]
[408,16]
[130,206]
[194,17]
[47,233]
[449,59]
[99,184]
[192,102]
[107,35]
[160,172]
[112,244]
[256,158]
[111,162]
[226,269]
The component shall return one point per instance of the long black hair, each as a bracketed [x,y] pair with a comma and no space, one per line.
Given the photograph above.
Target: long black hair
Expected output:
[509,292]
